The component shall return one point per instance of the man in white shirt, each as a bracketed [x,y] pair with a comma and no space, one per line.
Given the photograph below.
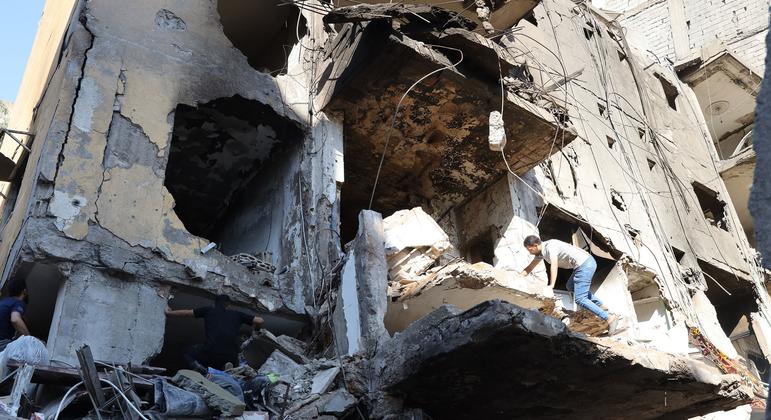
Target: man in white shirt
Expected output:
[564,255]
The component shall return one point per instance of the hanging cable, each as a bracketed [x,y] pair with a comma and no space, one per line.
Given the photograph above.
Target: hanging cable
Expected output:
[396,113]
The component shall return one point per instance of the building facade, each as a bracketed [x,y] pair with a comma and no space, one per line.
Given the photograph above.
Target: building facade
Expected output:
[185,149]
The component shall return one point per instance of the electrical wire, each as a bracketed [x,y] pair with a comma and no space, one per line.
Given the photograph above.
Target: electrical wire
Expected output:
[66,394]
[130,404]
[396,113]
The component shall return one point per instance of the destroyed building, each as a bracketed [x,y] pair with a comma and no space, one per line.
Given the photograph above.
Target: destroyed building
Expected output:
[362,175]
[718,48]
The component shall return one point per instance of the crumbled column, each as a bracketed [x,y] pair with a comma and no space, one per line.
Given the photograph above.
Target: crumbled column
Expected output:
[362,301]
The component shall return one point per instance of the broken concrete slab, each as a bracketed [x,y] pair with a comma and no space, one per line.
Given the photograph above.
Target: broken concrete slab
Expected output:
[217,398]
[334,404]
[338,403]
[258,348]
[420,15]
[450,104]
[464,285]
[324,380]
[413,228]
[113,338]
[282,365]
[413,242]
[254,415]
[430,364]
[500,17]
[361,304]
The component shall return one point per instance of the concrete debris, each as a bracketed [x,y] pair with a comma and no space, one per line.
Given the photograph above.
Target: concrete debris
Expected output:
[254,415]
[282,365]
[257,348]
[436,17]
[497,137]
[361,302]
[334,403]
[253,263]
[488,16]
[413,243]
[430,362]
[338,403]
[217,398]
[323,380]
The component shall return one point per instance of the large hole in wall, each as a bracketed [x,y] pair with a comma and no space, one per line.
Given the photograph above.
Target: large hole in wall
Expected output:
[734,302]
[649,307]
[711,205]
[556,225]
[263,30]
[43,282]
[181,333]
[231,169]
[670,91]
[731,296]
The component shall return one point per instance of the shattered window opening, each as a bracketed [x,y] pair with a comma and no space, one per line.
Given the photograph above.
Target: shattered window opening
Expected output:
[217,150]
[678,254]
[713,208]
[617,200]
[611,142]
[670,91]
[588,33]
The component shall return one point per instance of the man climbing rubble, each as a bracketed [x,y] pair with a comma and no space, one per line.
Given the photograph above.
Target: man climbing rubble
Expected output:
[221,325]
[12,310]
[564,255]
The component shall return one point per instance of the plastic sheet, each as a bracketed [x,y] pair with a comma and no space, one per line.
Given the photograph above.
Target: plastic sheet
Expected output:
[24,349]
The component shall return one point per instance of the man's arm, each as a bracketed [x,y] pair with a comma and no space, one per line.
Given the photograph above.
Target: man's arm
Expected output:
[553,270]
[188,313]
[18,323]
[530,267]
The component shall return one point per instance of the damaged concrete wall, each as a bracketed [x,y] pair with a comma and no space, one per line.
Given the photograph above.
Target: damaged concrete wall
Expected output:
[95,192]
[640,182]
[739,25]
[80,318]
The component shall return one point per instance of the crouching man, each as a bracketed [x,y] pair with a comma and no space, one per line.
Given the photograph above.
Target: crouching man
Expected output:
[564,255]
[221,326]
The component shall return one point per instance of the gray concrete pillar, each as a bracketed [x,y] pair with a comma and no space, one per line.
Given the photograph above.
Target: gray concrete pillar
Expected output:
[121,320]
[362,298]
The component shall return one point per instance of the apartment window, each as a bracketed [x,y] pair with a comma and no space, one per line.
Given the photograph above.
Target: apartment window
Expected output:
[670,91]
[711,205]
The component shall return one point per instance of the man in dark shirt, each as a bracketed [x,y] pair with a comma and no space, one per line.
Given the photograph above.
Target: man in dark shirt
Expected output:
[221,326]
[11,313]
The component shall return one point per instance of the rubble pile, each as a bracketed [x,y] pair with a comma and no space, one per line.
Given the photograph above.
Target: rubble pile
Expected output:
[287,385]
[425,272]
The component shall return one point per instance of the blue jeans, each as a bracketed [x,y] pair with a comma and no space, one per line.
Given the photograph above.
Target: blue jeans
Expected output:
[580,282]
